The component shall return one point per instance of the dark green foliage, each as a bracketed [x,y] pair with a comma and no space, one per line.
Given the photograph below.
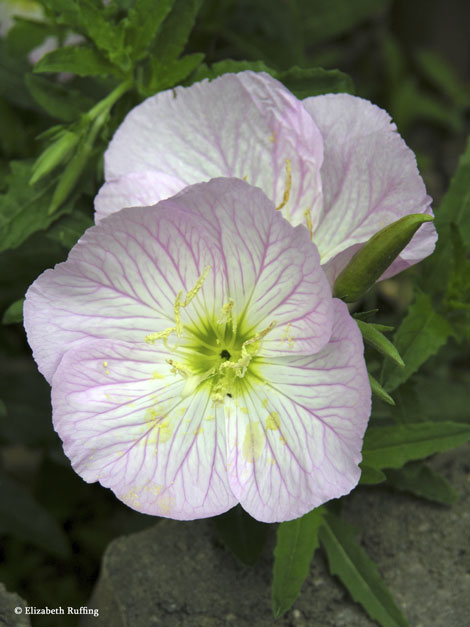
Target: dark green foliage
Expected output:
[297,541]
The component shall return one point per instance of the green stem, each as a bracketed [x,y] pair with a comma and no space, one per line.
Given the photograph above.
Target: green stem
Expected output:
[103,106]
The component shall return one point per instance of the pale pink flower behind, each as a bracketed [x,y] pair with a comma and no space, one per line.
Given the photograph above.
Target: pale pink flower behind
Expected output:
[334,163]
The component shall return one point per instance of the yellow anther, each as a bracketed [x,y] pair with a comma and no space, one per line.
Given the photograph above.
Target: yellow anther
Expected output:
[259,336]
[179,303]
[192,293]
[177,309]
[153,337]
[179,368]
[308,222]
[227,315]
[288,186]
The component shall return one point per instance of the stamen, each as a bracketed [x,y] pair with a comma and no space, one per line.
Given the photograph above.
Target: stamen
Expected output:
[308,222]
[153,337]
[192,293]
[178,328]
[288,186]
[227,315]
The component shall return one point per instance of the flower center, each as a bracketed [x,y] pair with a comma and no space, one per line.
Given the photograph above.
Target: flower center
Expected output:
[215,352]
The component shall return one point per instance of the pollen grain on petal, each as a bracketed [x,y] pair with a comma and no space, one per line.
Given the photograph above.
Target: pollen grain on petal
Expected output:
[253,442]
[273,421]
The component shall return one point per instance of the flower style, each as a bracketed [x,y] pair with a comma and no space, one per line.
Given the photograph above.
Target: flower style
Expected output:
[334,163]
[197,359]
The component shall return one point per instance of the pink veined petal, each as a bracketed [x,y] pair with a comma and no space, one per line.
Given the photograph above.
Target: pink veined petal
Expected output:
[294,441]
[138,189]
[370,179]
[244,125]
[124,423]
[271,270]
[120,281]
[122,278]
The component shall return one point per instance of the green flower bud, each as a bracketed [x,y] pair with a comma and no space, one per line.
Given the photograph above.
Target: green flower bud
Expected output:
[377,340]
[54,155]
[371,261]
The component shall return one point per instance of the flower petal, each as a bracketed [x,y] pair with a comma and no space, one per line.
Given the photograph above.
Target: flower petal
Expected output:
[126,425]
[120,281]
[138,189]
[244,125]
[122,278]
[369,179]
[271,270]
[296,440]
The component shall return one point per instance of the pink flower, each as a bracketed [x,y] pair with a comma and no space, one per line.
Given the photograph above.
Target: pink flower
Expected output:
[197,359]
[334,163]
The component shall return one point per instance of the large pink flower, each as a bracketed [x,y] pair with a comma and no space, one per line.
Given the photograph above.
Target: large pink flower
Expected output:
[198,360]
[334,163]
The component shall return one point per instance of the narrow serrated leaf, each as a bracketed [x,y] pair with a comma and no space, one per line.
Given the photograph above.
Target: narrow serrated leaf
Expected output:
[421,334]
[421,480]
[392,447]
[358,573]
[80,60]
[297,541]
[142,24]
[303,82]
[175,30]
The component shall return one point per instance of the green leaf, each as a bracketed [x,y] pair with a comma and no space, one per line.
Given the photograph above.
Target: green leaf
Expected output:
[22,516]
[25,35]
[421,480]
[456,302]
[14,313]
[306,82]
[242,534]
[358,572]
[377,340]
[302,82]
[332,18]
[24,209]
[371,476]
[68,229]
[142,24]
[175,72]
[442,75]
[378,390]
[60,102]
[421,334]
[80,60]
[297,541]
[375,256]
[12,85]
[175,30]
[392,447]
[455,208]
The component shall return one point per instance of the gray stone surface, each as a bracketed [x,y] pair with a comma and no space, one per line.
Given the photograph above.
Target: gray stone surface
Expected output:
[8,602]
[177,574]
